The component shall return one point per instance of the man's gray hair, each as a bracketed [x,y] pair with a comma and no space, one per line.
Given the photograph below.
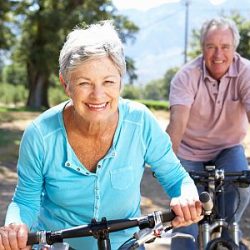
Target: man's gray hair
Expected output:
[220,22]
[95,41]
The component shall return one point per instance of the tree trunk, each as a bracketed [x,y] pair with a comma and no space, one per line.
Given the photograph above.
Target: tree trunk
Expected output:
[38,88]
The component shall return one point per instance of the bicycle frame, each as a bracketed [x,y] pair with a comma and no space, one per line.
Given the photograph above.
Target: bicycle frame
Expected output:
[213,181]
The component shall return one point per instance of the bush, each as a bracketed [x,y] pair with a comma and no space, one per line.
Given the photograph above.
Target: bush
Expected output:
[10,94]
[56,95]
[155,105]
[131,92]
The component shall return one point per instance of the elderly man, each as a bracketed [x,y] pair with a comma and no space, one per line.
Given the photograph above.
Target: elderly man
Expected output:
[210,111]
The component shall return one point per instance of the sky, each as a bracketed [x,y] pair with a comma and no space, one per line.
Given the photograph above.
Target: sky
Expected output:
[148,4]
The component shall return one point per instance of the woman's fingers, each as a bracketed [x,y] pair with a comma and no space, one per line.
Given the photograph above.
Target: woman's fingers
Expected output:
[13,237]
[22,236]
[187,212]
[4,234]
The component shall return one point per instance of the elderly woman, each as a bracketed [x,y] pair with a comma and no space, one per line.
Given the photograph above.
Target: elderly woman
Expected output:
[85,158]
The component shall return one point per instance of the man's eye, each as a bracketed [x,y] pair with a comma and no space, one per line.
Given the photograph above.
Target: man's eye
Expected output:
[109,82]
[210,47]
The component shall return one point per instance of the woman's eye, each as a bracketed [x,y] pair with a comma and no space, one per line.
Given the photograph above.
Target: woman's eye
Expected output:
[84,83]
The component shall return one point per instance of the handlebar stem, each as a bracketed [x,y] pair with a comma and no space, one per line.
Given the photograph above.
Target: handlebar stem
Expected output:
[101,233]
[219,174]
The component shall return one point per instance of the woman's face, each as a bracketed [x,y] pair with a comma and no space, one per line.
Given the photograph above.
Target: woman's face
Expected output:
[94,87]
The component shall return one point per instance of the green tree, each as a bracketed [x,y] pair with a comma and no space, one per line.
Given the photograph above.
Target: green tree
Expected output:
[7,37]
[167,80]
[6,19]
[152,90]
[44,26]
[15,74]
[130,64]
[131,92]
[159,89]
[244,28]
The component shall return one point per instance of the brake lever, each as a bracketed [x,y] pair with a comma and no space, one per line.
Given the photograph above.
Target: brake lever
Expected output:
[182,235]
[143,236]
[54,246]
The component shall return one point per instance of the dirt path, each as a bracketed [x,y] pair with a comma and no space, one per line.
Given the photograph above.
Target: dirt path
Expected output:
[153,197]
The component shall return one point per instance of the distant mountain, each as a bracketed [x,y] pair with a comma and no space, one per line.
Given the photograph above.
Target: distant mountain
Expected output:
[159,44]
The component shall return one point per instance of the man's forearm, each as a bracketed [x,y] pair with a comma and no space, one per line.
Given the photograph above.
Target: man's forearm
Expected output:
[175,136]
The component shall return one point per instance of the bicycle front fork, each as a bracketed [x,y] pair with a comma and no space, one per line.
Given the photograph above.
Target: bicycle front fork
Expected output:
[204,235]
[235,232]
[205,230]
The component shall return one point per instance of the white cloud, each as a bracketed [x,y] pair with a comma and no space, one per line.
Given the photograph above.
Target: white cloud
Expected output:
[217,2]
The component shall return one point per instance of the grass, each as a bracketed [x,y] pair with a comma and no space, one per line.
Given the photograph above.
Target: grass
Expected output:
[10,135]
[8,114]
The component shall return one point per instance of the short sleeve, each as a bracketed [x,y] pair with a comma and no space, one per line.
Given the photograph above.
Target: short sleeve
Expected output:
[244,83]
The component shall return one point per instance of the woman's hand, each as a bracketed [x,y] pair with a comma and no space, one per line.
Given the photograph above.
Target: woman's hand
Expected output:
[13,237]
[187,211]
[187,206]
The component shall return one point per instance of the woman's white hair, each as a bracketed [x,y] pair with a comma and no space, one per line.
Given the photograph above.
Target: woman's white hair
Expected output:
[96,40]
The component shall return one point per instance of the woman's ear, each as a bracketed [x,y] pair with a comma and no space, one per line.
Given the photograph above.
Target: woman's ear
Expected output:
[121,87]
[64,84]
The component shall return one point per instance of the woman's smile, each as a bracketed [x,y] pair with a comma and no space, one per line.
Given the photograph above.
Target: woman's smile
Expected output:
[97,107]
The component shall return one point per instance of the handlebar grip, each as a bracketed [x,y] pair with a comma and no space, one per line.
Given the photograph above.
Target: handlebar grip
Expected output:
[33,238]
[206,201]
[167,216]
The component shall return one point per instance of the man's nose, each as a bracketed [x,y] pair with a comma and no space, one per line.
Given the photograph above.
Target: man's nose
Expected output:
[218,51]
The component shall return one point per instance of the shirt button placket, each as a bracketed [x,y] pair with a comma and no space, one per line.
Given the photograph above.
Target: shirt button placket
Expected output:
[97,198]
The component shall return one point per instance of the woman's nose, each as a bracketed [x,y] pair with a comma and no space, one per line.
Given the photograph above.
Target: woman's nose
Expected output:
[97,91]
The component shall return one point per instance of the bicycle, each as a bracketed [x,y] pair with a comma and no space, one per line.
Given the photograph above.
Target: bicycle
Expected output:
[214,223]
[150,227]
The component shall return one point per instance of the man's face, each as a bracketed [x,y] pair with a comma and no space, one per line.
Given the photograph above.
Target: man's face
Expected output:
[218,51]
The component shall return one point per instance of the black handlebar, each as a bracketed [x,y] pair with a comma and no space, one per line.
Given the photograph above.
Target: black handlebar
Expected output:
[240,179]
[95,227]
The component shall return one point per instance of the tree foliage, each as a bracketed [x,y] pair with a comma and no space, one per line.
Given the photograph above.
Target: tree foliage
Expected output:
[159,89]
[44,25]
[132,92]
[15,74]
[244,29]
[167,80]
[6,22]
[152,90]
